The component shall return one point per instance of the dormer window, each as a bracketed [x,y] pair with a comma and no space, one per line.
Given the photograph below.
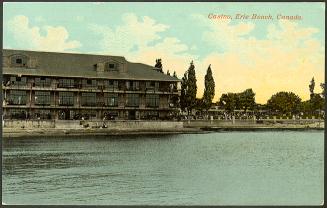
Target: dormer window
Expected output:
[19,60]
[111,66]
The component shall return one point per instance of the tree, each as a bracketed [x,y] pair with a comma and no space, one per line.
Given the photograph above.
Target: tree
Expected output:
[168,73]
[175,75]
[183,98]
[317,102]
[312,87]
[284,102]
[229,101]
[322,85]
[247,99]
[191,88]
[209,89]
[199,104]
[159,65]
[305,107]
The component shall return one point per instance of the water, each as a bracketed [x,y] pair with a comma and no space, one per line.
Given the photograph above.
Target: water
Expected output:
[234,168]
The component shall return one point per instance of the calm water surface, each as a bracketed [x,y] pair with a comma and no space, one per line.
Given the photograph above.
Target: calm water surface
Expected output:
[232,168]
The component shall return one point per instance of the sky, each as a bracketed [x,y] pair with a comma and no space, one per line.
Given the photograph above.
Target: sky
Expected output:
[267,55]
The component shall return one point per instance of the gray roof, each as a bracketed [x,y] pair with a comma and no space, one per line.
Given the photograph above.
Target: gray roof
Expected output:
[82,65]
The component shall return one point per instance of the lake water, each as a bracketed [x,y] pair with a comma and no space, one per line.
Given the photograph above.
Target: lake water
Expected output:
[232,168]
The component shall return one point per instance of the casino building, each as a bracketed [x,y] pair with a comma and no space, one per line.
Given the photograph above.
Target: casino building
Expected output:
[67,86]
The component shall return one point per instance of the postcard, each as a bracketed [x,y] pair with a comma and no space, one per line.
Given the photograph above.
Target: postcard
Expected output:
[163,103]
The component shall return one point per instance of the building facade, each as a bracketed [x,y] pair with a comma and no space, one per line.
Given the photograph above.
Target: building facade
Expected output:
[67,86]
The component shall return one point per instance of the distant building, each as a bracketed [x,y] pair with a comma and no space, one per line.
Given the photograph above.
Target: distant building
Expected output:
[47,85]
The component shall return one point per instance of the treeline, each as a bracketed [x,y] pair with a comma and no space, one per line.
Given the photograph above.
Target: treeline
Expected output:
[279,103]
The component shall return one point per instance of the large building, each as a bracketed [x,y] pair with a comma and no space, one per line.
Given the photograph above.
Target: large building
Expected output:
[48,85]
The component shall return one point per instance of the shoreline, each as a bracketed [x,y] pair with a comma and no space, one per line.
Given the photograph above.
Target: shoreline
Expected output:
[19,133]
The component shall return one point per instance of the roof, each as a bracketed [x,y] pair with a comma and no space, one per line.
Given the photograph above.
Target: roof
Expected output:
[82,65]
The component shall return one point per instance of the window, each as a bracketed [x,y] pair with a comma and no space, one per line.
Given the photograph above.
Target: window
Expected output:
[17,97]
[110,99]
[87,114]
[152,100]
[152,115]
[88,99]
[110,115]
[18,81]
[42,98]
[135,85]
[16,114]
[18,60]
[66,83]
[128,85]
[42,82]
[132,100]
[111,84]
[42,114]
[132,85]
[66,98]
[152,85]
[111,67]
[89,83]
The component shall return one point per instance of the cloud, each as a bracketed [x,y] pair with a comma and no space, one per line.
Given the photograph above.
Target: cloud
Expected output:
[140,40]
[29,37]
[285,60]
[132,33]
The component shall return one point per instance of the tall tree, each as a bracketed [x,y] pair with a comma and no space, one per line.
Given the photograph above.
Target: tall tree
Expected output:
[191,88]
[159,65]
[183,98]
[175,75]
[168,73]
[312,86]
[284,102]
[209,89]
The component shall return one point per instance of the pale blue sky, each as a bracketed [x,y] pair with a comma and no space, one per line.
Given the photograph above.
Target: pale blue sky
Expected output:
[177,33]
[177,15]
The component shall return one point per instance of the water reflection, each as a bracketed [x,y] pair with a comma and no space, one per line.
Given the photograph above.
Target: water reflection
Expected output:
[210,169]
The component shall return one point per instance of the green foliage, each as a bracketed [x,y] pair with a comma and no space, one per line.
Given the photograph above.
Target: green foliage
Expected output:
[209,89]
[247,99]
[229,101]
[312,86]
[183,98]
[175,75]
[284,102]
[305,106]
[317,102]
[322,85]
[188,90]
[199,104]
[191,88]
[244,100]
[159,65]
